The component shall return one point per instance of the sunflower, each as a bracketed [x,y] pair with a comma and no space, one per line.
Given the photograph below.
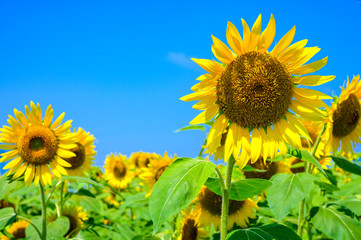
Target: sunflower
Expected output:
[140,160]
[209,208]
[76,217]
[343,121]
[84,153]
[36,144]
[253,90]
[269,169]
[117,173]
[17,230]
[190,230]
[155,169]
[6,204]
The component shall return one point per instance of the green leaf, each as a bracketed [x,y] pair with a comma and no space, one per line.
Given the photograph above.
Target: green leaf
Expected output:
[346,165]
[305,156]
[336,224]
[87,235]
[353,203]
[287,191]
[6,186]
[350,188]
[266,232]
[7,216]
[248,168]
[241,189]
[88,203]
[326,186]
[84,180]
[59,227]
[30,231]
[177,187]
[191,127]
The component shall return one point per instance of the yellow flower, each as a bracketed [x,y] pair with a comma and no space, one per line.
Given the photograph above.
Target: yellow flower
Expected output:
[36,144]
[209,207]
[155,169]
[140,160]
[17,230]
[76,217]
[253,91]
[270,169]
[117,173]
[190,230]
[343,121]
[84,152]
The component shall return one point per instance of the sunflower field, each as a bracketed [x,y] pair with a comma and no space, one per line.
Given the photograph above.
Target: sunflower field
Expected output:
[278,159]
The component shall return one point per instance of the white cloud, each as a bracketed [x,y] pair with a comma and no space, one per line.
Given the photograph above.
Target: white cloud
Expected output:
[182,60]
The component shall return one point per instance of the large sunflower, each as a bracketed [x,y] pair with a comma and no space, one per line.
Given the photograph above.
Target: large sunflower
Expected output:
[343,121]
[16,230]
[253,90]
[35,144]
[84,152]
[155,169]
[117,173]
[209,208]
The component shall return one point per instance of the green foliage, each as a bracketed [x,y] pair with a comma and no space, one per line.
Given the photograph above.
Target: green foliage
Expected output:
[88,203]
[87,234]
[177,187]
[287,191]
[346,165]
[59,227]
[241,189]
[266,232]
[336,224]
[6,186]
[7,216]
[30,231]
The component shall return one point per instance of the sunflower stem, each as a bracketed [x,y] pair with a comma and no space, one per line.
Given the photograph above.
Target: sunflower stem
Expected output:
[308,170]
[61,198]
[225,199]
[43,212]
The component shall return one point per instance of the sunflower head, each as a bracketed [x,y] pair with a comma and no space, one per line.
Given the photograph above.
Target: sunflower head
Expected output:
[117,172]
[38,146]
[84,153]
[16,230]
[190,230]
[209,208]
[252,95]
[155,169]
[343,121]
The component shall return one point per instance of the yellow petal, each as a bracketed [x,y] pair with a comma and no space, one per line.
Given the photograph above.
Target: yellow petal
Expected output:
[217,128]
[304,57]
[246,36]
[229,144]
[63,128]
[7,146]
[204,104]
[48,116]
[267,35]
[209,65]
[28,114]
[310,68]
[206,115]
[13,163]
[20,171]
[310,94]
[62,162]
[306,111]
[37,175]
[234,39]
[198,95]
[313,80]
[65,153]
[29,174]
[237,139]
[221,51]
[284,42]
[57,121]
[255,33]
[21,118]
[310,102]
[265,145]
[298,124]
[294,50]
[256,145]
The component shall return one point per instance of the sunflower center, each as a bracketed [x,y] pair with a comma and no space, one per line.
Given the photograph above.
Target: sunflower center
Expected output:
[37,145]
[19,233]
[189,230]
[79,158]
[346,117]
[160,171]
[255,90]
[271,169]
[297,169]
[213,203]
[119,170]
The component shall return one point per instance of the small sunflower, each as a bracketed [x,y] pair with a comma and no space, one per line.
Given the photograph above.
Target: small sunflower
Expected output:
[269,169]
[76,217]
[140,160]
[190,230]
[343,121]
[209,208]
[17,230]
[253,90]
[35,144]
[6,204]
[84,153]
[155,169]
[117,173]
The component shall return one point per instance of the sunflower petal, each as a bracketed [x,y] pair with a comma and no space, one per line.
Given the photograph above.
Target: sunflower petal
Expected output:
[234,39]
[284,42]
[256,145]
[313,80]
[309,68]
[57,121]
[267,35]
[209,65]
[255,33]
[246,36]
[221,51]
[48,116]
[206,115]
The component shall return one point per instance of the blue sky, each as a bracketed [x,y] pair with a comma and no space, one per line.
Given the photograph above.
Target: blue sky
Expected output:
[118,69]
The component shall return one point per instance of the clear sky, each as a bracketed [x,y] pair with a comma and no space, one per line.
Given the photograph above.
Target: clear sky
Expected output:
[119,68]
